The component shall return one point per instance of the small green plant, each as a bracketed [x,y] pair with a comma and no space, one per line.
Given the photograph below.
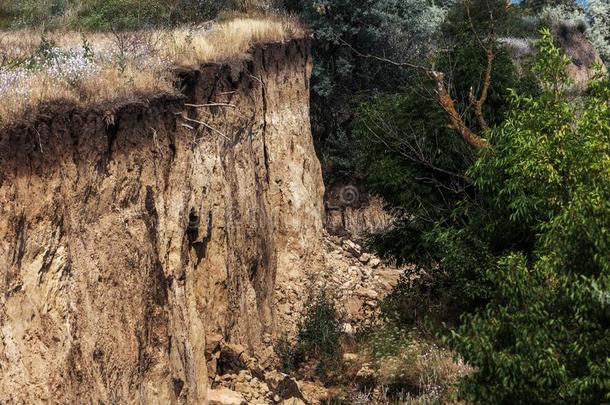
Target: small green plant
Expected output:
[319,335]
[286,353]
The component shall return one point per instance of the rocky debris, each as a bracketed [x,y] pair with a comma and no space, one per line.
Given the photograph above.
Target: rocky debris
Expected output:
[283,385]
[364,258]
[252,389]
[352,247]
[356,279]
[234,371]
[224,396]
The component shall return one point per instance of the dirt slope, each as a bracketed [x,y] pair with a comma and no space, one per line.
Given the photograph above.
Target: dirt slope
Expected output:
[128,235]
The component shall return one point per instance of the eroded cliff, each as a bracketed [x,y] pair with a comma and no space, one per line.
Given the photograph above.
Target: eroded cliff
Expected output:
[128,235]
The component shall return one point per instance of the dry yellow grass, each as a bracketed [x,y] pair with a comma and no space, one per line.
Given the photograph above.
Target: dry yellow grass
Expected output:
[427,369]
[121,65]
[226,40]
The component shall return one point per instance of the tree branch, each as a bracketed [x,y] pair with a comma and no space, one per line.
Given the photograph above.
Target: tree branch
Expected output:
[444,99]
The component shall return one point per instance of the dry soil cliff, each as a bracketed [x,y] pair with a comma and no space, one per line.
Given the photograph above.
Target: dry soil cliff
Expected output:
[130,235]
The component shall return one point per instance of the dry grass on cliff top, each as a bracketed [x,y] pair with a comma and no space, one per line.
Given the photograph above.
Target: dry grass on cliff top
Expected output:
[94,69]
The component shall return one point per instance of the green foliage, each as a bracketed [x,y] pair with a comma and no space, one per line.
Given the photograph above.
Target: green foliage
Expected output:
[523,251]
[468,30]
[32,12]
[319,335]
[406,150]
[599,12]
[397,29]
[420,166]
[536,6]
[129,14]
[107,14]
[543,338]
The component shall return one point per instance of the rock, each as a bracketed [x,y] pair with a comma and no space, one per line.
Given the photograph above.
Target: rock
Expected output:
[244,376]
[265,357]
[230,360]
[352,307]
[225,396]
[391,276]
[347,328]
[374,262]
[212,343]
[364,258]
[243,388]
[314,393]
[212,367]
[350,357]
[293,401]
[367,293]
[335,239]
[352,248]
[282,385]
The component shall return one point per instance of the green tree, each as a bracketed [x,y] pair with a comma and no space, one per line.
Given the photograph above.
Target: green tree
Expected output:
[543,338]
[419,165]
[397,29]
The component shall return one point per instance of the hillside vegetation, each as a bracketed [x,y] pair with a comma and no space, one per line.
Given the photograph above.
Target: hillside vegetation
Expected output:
[103,15]
[86,68]
[483,124]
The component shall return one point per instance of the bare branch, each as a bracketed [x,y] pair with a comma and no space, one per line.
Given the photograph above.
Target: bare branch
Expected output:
[211,105]
[208,127]
[444,99]
[385,60]
[456,122]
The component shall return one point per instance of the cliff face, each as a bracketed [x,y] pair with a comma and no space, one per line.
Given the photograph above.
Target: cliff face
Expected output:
[130,237]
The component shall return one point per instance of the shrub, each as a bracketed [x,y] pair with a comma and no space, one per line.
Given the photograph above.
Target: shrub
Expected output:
[543,337]
[397,29]
[408,365]
[104,15]
[28,13]
[419,166]
[319,335]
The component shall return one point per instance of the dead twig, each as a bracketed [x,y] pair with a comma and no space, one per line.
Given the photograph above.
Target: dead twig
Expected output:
[444,99]
[211,105]
[208,127]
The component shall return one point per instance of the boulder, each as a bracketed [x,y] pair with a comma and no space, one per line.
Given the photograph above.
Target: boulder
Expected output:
[364,258]
[374,262]
[367,293]
[352,248]
[225,396]
[293,401]
[283,385]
